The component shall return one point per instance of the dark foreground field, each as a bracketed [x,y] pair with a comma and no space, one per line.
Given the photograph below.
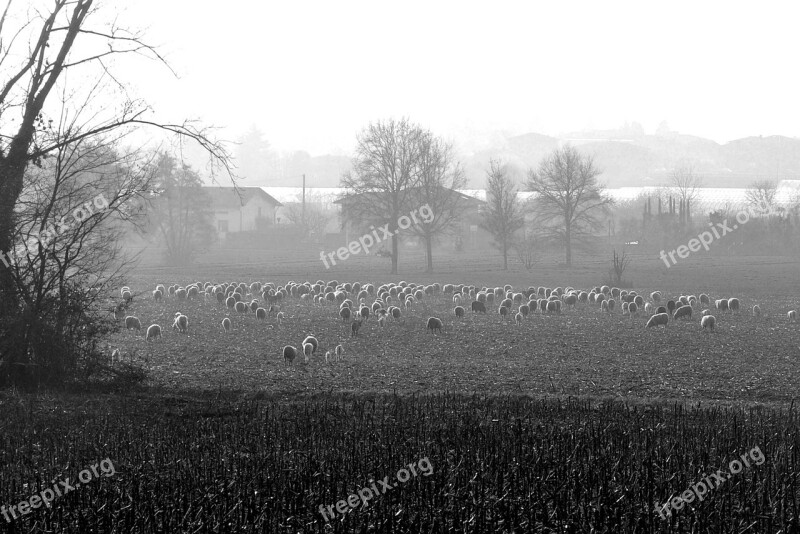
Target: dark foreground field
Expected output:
[497,464]
[582,422]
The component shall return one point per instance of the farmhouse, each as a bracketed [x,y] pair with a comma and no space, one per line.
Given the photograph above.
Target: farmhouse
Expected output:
[242,209]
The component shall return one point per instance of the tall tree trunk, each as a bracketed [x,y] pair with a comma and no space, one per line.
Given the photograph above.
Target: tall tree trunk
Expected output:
[394,253]
[429,252]
[505,255]
[568,243]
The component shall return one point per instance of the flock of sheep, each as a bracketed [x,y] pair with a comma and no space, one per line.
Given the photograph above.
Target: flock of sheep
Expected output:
[388,301]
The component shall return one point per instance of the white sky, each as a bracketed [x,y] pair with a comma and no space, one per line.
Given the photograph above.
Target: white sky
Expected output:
[310,75]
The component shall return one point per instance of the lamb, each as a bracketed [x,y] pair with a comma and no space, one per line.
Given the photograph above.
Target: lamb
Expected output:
[308,350]
[524,310]
[289,353]
[708,321]
[261,313]
[733,304]
[458,311]
[354,327]
[648,308]
[434,324]
[339,352]
[364,312]
[153,331]
[625,306]
[226,325]
[683,311]
[478,306]
[518,318]
[253,305]
[792,315]
[312,341]
[132,323]
[658,320]
[181,323]
[181,293]
[756,311]
[639,301]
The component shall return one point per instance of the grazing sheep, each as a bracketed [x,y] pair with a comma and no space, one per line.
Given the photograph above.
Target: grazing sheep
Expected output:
[756,311]
[458,311]
[127,296]
[553,306]
[655,296]
[153,331]
[611,304]
[524,310]
[571,300]
[230,302]
[683,311]
[604,306]
[308,350]
[241,307]
[478,306]
[708,321]
[396,312]
[503,311]
[279,317]
[518,318]
[364,312]
[181,324]
[661,309]
[434,324]
[639,301]
[382,320]
[648,308]
[157,295]
[633,309]
[625,306]
[792,315]
[658,320]
[339,352]
[733,304]
[671,306]
[312,341]
[345,313]
[289,353]
[253,305]
[132,323]
[226,325]
[721,304]
[327,356]
[181,293]
[354,327]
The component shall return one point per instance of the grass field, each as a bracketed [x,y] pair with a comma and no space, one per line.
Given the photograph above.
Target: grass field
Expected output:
[579,422]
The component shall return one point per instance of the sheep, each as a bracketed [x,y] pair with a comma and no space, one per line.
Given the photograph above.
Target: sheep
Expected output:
[396,312]
[241,307]
[655,296]
[661,309]
[157,295]
[625,306]
[571,300]
[756,311]
[524,310]
[253,305]
[792,315]
[553,306]
[115,355]
[633,309]
[434,324]
[705,299]
[658,320]
[503,311]
[733,304]
[354,327]
[308,350]
[127,296]
[382,320]
[604,306]
[181,323]
[683,311]
[132,323]
[226,325]
[153,331]
[230,302]
[721,304]
[364,312]
[456,299]
[279,317]
[478,306]
[312,341]
[708,321]
[518,318]
[458,311]
[261,313]
[611,304]
[181,293]
[345,313]
[289,353]
[327,356]
[671,306]
[339,352]
[648,308]
[639,301]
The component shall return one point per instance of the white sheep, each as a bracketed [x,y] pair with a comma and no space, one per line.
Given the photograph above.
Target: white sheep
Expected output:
[261,313]
[181,324]
[308,350]
[632,309]
[115,355]
[733,304]
[518,318]
[683,311]
[756,311]
[721,304]
[655,296]
[241,307]
[792,315]
[279,317]
[327,356]
[708,321]
[289,353]
[648,308]
[226,325]
[157,295]
[132,323]
[127,296]
[153,331]
[311,340]
[604,306]
[658,319]
[705,312]
[339,352]
[382,320]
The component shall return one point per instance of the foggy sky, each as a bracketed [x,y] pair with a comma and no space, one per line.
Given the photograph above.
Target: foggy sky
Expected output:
[310,75]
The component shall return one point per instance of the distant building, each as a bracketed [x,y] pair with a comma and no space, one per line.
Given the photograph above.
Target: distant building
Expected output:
[242,209]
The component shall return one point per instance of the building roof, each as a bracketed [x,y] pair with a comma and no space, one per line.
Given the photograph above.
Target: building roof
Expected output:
[233,198]
[463,193]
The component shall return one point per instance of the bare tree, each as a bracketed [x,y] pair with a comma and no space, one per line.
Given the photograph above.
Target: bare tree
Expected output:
[39,45]
[685,182]
[761,194]
[569,201]
[440,175]
[180,211]
[503,216]
[385,171]
[313,219]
